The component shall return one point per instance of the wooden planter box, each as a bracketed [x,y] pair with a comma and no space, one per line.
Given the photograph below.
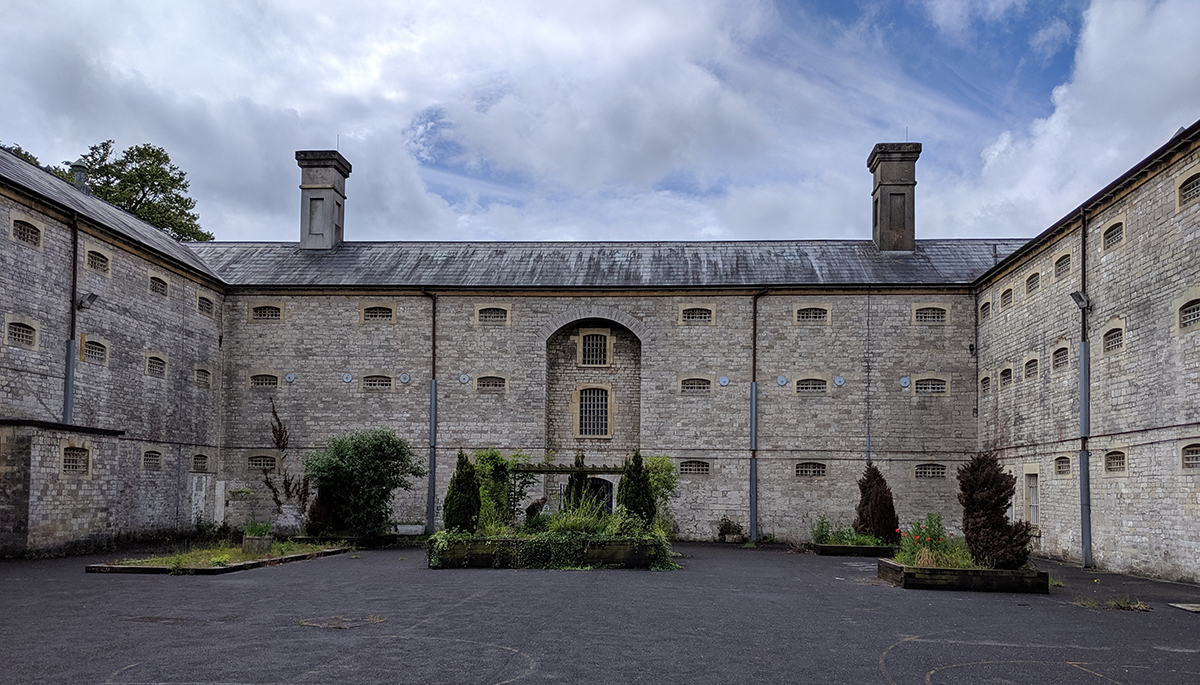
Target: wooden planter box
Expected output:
[975,580]
[505,554]
[853,551]
[215,570]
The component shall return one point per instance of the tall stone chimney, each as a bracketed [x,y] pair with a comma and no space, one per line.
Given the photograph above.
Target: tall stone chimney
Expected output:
[893,217]
[323,176]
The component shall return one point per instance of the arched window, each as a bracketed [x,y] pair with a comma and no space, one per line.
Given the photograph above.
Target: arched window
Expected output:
[1113,236]
[152,460]
[266,313]
[811,386]
[985,311]
[261,462]
[1033,283]
[697,315]
[202,379]
[1062,266]
[156,366]
[377,382]
[930,386]
[1006,298]
[264,380]
[491,385]
[75,460]
[493,315]
[1061,358]
[930,315]
[1189,314]
[593,411]
[379,314]
[810,469]
[97,262]
[21,335]
[1191,456]
[1031,369]
[812,315]
[158,286]
[693,467]
[1189,191]
[204,306]
[200,463]
[1114,340]
[1005,377]
[985,385]
[95,352]
[27,233]
[931,471]
[595,350]
[1062,466]
[1114,462]
[695,386]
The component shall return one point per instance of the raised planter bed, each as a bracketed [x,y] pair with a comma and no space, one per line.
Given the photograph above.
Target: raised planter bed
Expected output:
[507,554]
[853,550]
[975,580]
[215,570]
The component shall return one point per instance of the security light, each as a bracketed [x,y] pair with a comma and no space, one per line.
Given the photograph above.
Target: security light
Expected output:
[1081,300]
[87,300]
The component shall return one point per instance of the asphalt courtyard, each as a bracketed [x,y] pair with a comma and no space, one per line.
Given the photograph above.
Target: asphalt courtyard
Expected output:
[731,615]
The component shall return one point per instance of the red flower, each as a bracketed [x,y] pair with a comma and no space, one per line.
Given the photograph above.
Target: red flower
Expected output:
[941,539]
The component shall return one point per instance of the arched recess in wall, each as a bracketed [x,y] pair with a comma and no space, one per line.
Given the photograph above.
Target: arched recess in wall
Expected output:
[595,311]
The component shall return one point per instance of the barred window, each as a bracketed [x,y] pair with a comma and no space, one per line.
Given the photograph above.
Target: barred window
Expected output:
[95,352]
[1190,190]
[1114,339]
[1113,236]
[377,382]
[204,306]
[200,462]
[1005,378]
[1006,298]
[156,366]
[27,233]
[158,286]
[694,468]
[593,411]
[697,315]
[261,462]
[377,314]
[264,380]
[492,385]
[985,385]
[1031,369]
[985,311]
[97,262]
[931,471]
[495,315]
[1033,283]
[21,334]
[1062,266]
[1062,357]
[202,379]
[75,460]
[811,386]
[695,386]
[266,313]
[930,315]
[810,469]
[152,460]
[1189,314]
[930,386]
[1114,462]
[1191,456]
[812,315]
[595,349]
[1062,466]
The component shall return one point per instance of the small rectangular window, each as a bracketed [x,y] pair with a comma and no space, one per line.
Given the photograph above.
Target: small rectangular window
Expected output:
[75,460]
[493,315]
[264,380]
[985,385]
[260,462]
[985,311]
[152,460]
[931,471]
[200,463]
[1062,466]
[1033,283]
[266,313]
[377,382]
[1114,236]
[812,315]
[811,386]
[1114,340]
[1191,457]
[697,315]
[27,233]
[695,386]
[1114,462]
[97,262]
[21,335]
[490,384]
[1005,378]
[1006,298]
[203,378]
[377,314]
[930,386]
[95,352]
[810,469]
[930,315]
[158,286]
[595,349]
[1062,357]
[1031,369]
[156,366]
[1062,266]
[694,468]
[204,306]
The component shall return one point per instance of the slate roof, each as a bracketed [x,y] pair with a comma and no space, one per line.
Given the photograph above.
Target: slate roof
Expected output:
[603,265]
[41,182]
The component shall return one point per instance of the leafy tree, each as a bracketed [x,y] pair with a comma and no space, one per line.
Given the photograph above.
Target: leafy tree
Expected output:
[635,493]
[460,509]
[22,153]
[491,470]
[985,492]
[876,511]
[664,478]
[357,474]
[143,181]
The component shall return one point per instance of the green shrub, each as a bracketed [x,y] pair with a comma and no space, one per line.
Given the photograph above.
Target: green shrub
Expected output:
[536,524]
[664,478]
[460,509]
[585,518]
[820,531]
[847,536]
[634,493]
[876,512]
[728,527]
[357,474]
[623,524]
[985,492]
[577,485]
[256,529]
[927,544]
[491,470]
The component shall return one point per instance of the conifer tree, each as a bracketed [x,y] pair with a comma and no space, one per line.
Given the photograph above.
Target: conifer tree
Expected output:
[635,493]
[577,484]
[876,511]
[985,492]
[460,510]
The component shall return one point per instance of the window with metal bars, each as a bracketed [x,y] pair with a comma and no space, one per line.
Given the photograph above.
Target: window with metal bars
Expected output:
[1005,378]
[156,366]
[1062,266]
[1033,283]
[152,460]
[930,386]
[204,306]
[1190,190]
[985,385]
[812,315]
[97,262]
[930,315]
[266,313]
[931,471]
[697,315]
[377,382]
[595,350]
[1062,466]
[1061,358]
[1006,298]
[810,469]
[1114,340]
[22,335]
[261,461]
[493,315]
[1031,498]
[985,311]
[200,463]
[202,379]
[1191,456]
[1031,369]
[158,286]
[75,460]
[491,385]
[1113,236]
[695,386]
[95,352]
[377,314]
[1189,314]
[593,411]
[264,380]
[27,233]
[694,468]
[811,386]
[1114,462]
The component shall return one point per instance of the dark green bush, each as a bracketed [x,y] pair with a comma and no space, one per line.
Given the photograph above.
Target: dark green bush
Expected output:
[577,485]
[357,474]
[985,491]
[460,510]
[635,493]
[876,512]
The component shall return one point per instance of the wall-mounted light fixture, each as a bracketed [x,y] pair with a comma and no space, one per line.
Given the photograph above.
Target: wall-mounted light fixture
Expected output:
[87,300]
[1081,300]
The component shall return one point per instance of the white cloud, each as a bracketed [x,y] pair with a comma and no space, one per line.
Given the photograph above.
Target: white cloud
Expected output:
[1050,38]
[954,18]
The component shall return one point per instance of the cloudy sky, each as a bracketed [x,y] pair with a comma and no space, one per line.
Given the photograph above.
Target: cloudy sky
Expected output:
[615,120]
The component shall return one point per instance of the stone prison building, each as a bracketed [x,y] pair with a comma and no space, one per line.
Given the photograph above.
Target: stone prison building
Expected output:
[136,372]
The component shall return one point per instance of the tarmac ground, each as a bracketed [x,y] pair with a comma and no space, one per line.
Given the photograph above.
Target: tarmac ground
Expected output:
[730,615]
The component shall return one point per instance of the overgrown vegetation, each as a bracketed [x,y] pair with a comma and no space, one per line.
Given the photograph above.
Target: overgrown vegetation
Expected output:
[635,494]
[356,475]
[985,492]
[293,489]
[823,534]
[221,555]
[726,526]
[927,544]
[256,529]
[876,511]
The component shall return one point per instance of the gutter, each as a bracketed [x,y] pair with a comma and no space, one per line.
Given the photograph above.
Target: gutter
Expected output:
[431,493]
[68,412]
[754,414]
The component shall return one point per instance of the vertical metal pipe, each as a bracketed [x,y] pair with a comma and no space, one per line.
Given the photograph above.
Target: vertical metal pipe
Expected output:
[754,414]
[431,492]
[68,412]
[1085,405]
